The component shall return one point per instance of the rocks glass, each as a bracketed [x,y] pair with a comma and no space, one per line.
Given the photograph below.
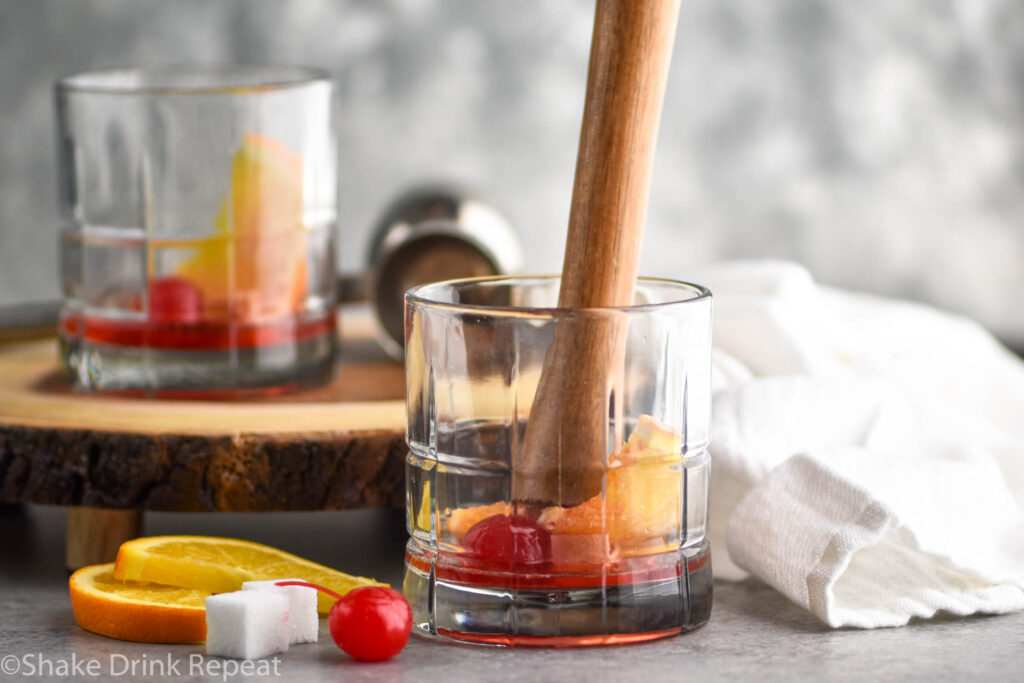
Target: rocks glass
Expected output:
[197,249]
[628,563]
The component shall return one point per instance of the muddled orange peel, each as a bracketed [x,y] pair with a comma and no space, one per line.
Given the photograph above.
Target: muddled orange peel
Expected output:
[640,506]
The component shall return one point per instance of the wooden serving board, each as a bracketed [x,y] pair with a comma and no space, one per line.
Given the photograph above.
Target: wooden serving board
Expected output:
[337,446]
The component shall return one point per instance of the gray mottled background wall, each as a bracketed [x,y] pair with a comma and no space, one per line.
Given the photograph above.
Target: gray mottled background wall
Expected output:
[880,143]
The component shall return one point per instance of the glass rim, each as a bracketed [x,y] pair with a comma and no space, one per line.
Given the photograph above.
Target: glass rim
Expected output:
[415,296]
[132,80]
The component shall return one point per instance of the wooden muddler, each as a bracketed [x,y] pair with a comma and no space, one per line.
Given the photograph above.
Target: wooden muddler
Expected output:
[562,458]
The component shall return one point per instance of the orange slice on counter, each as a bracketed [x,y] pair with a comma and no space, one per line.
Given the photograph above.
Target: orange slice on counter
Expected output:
[142,612]
[221,565]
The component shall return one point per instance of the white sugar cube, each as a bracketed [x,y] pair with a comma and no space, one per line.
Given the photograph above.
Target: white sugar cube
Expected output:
[246,625]
[303,620]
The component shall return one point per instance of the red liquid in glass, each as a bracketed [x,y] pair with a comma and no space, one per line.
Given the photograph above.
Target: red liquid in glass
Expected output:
[197,336]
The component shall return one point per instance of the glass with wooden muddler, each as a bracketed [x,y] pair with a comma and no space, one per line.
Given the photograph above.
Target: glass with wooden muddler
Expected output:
[557,427]
[616,554]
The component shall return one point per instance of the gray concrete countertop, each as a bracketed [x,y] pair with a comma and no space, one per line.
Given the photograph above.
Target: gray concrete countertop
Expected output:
[754,634]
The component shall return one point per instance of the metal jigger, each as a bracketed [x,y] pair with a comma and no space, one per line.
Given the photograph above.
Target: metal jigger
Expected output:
[430,234]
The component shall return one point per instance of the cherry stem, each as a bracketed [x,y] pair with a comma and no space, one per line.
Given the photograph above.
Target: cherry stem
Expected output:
[307,584]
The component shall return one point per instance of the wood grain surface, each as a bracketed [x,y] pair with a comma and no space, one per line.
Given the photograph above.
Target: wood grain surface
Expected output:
[337,446]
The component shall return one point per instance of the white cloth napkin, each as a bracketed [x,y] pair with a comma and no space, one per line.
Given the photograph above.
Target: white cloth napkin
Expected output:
[867,454]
